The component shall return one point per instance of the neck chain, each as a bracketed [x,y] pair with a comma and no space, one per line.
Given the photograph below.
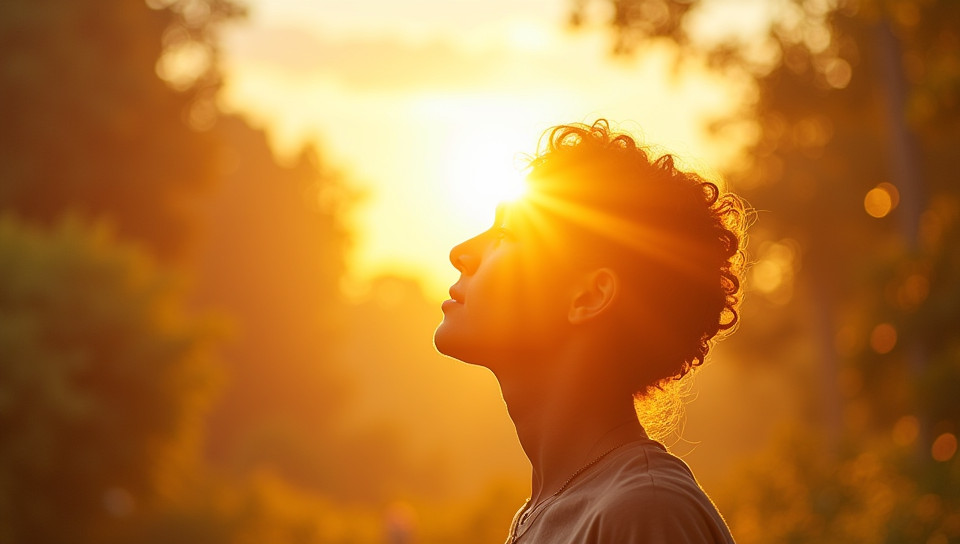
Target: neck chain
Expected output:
[528,510]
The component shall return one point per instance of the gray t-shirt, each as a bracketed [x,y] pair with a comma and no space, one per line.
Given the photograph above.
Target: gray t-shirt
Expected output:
[638,494]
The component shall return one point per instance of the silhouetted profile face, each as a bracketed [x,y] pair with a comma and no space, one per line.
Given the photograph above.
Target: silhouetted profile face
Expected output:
[612,250]
[511,297]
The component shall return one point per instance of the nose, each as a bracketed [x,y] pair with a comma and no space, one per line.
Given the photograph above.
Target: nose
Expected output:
[465,256]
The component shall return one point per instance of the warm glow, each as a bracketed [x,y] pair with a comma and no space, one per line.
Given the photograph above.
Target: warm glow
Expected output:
[651,241]
[913,291]
[906,430]
[767,275]
[433,126]
[881,200]
[838,73]
[883,338]
[481,175]
[944,447]
[773,273]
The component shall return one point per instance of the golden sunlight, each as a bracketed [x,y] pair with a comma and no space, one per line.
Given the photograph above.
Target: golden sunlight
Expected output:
[481,172]
[435,134]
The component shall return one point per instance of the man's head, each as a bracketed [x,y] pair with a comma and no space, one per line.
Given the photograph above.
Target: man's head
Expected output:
[611,243]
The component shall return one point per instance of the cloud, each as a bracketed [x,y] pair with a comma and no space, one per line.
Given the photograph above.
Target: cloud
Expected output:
[375,64]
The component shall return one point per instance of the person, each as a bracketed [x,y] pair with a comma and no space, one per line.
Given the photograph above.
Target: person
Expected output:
[610,278]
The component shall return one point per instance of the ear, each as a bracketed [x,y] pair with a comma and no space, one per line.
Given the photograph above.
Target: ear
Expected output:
[594,295]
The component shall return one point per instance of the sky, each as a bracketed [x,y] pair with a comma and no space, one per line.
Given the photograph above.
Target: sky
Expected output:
[428,107]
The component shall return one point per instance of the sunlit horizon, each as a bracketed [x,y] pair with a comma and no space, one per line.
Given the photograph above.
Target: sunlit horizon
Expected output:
[432,125]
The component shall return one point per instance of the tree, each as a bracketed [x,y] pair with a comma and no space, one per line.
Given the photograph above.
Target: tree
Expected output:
[856,114]
[109,118]
[103,381]
[272,254]
[89,125]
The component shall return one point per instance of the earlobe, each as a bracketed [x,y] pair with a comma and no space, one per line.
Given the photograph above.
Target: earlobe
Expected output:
[596,294]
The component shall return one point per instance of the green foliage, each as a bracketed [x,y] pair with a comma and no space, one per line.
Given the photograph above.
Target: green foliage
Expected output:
[871,491]
[103,379]
[89,126]
[256,508]
[272,257]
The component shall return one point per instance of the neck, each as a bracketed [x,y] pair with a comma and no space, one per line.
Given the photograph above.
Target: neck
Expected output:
[566,416]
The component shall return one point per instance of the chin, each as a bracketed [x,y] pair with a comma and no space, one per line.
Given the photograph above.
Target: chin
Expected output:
[448,344]
[443,340]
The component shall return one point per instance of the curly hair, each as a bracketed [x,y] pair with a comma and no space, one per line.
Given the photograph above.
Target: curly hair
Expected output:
[684,237]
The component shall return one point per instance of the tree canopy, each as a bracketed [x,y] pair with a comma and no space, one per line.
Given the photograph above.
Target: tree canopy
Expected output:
[89,124]
[103,383]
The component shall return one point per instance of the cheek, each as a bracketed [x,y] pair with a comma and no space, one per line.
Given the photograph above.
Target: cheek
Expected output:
[511,305]
[518,307]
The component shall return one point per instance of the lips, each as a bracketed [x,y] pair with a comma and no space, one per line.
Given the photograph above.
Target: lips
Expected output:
[456,295]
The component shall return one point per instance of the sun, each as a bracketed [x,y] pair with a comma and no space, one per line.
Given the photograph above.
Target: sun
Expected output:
[483,173]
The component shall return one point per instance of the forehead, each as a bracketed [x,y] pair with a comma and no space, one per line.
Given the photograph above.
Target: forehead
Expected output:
[518,215]
[533,212]
[538,231]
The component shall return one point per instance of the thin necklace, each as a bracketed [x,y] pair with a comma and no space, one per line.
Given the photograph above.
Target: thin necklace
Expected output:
[528,510]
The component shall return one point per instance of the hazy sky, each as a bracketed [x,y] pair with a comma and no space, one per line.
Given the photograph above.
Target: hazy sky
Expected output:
[425,104]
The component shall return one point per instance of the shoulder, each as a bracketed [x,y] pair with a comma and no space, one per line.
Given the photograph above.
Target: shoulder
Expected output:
[648,495]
